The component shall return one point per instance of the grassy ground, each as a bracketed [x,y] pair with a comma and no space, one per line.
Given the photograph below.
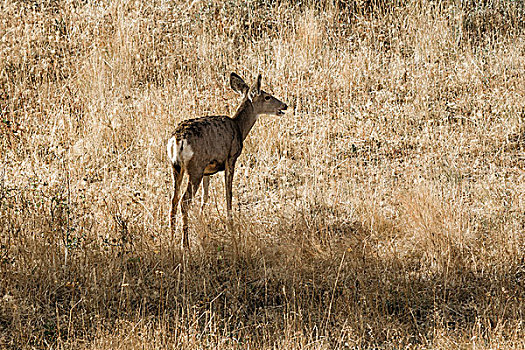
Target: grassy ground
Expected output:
[386,209]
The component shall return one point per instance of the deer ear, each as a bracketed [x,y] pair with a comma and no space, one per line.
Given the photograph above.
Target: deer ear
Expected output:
[256,87]
[238,85]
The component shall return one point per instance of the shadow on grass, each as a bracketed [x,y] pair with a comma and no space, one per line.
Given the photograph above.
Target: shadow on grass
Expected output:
[264,292]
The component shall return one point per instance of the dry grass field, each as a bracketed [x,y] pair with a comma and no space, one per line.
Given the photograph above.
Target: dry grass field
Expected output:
[385,210]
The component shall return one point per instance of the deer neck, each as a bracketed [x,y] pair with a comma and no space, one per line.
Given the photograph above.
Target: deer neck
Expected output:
[245,117]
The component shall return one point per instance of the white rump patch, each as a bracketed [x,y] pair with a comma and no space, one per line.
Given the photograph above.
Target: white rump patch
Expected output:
[174,151]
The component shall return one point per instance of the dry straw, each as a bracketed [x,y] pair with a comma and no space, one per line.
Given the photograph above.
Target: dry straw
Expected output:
[385,210]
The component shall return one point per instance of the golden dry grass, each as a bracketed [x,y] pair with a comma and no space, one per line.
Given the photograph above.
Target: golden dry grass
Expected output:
[385,210]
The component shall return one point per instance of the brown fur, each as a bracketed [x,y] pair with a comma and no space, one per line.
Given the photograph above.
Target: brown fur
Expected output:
[204,146]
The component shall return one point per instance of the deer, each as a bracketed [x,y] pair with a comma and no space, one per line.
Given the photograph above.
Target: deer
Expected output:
[204,146]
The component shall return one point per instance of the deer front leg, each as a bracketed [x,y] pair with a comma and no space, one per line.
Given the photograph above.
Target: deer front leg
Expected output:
[205,187]
[228,180]
[193,185]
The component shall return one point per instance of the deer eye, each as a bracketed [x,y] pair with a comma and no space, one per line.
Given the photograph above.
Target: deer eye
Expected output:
[267,98]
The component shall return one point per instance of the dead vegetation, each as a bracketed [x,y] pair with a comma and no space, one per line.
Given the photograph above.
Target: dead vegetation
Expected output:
[385,210]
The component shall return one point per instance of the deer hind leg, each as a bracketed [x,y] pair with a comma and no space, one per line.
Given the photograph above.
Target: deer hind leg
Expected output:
[178,173]
[193,185]
[205,187]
